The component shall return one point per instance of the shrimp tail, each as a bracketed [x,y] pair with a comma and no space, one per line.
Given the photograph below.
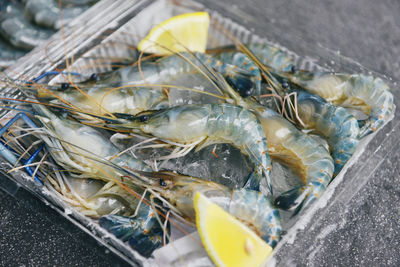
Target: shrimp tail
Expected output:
[120,226]
[299,197]
[147,244]
[254,181]
[291,199]
[365,127]
[242,74]
[143,232]
[361,123]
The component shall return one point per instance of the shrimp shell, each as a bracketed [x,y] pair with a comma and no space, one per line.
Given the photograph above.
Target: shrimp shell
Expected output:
[304,155]
[295,149]
[210,124]
[251,207]
[47,12]
[339,127]
[103,99]
[83,148]
[366,93]
[142,232]
[363,92]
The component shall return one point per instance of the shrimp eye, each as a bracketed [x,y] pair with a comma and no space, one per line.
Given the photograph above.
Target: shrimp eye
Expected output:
[163,183]
[242,84]
[245,93]
[64,86]
[94,77]
[294,69]
[143,118]
[285,85]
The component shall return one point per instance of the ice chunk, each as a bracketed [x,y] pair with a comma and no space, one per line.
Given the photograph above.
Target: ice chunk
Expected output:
[228,166]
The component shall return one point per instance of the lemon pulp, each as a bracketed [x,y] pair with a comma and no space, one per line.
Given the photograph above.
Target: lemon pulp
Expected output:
[186,32]
[228,241]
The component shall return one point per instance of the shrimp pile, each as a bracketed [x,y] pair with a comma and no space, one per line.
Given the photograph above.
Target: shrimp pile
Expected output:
[108,145]
[26,24]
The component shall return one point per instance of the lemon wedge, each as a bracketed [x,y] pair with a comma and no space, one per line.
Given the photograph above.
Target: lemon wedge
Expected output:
[228,241]
[187,32]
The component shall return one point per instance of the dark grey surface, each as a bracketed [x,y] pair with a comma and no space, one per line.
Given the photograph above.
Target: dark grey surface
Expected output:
[32,234]
[365,230]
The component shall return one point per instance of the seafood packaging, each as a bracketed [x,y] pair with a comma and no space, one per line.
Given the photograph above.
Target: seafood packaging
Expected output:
[264,118]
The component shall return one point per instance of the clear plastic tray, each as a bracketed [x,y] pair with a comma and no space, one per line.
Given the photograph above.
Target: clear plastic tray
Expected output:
[89,35]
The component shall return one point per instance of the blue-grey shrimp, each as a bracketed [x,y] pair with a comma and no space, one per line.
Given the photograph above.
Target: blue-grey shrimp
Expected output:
[203,125]
[15,28]
[295,149]
[83,148]
[338,126]
[251,207]
[92,197]
[8,54]
[128,90]
[119,212]
[142,232]
[335,123]
[101,99]
[76,147]
[273,57]
[366,93]
[245,76]
[168,69]
[96,190]
[46,13]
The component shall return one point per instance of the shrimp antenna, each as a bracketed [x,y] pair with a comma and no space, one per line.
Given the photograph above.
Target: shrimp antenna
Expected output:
[275,85]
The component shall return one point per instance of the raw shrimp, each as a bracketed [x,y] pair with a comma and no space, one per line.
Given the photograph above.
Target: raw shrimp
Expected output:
[18,30]
[94,197]
[366,93]
[101,99]
[83,148]
[246,85]
[295,149]
[122,91]
[245,76]
[47,12]
[273,57]
[335,123]
[203,125]
[8,54]
[338,126]
[251,207]
[120,212]
[142,232]
[358,91]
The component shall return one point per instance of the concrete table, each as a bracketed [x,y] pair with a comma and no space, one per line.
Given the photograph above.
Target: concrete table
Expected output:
[364,231]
